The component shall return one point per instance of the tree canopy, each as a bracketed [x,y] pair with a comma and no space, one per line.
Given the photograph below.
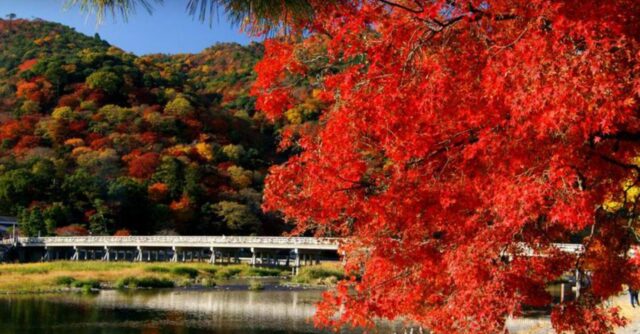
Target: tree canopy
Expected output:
[440,137]
[95,139]
[447,134]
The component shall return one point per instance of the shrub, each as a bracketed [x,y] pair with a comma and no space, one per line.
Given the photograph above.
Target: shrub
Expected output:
[185,271]
[144,282]
[262,272]
[155,282]
[211,270]
[184,283]
[255,286]
[207,282]
[319,275]
[228,272]
[157,269]
[64,280]
[86,284]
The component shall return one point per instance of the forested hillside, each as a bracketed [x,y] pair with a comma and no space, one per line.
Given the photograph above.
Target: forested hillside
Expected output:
[94,139]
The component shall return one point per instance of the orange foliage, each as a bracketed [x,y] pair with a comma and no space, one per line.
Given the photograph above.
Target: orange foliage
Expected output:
[72,230]
[142,165]
[122,233]
[37,90]
[158,191]
[27,65]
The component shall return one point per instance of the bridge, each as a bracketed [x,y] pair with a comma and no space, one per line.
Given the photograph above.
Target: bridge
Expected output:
[256,250]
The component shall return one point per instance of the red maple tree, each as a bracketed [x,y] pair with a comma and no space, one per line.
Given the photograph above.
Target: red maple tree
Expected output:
[451,133]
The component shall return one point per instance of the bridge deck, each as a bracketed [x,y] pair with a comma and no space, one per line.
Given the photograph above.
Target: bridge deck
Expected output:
[303,243]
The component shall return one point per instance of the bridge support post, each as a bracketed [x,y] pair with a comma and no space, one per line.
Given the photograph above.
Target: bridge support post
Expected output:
[46,255]
[253,257]
[174,258]
[212,259]
[296,264]
[76,254]
[138,254]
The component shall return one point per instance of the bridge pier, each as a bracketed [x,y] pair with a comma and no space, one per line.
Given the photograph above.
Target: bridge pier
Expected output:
[253,257]
[76,254]
[46,256]
[296,263]
[174,257]
[212,259]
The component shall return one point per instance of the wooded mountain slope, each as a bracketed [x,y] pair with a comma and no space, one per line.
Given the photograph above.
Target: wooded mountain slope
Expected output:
[96,139]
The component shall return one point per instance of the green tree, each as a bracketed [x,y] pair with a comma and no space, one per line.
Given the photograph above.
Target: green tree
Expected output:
[131,205]
[171,172]
[238,217]
[180,106]
[104,80]
[55,215]
[100,222]
[16,190]
[32,222]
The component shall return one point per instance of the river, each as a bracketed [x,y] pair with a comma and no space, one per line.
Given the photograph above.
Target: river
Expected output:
[171,311]
[277,310]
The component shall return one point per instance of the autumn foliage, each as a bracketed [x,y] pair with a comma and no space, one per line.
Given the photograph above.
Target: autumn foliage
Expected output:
[451,133]
[106,141]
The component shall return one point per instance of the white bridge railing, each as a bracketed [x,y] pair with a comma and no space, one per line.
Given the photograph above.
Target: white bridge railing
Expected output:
[180,241]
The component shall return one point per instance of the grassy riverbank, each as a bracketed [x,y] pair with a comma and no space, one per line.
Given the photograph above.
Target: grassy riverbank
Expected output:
[327,274]
[64,275]
[52,276]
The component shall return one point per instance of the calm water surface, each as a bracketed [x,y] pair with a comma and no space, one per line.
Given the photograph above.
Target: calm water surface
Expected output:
[162,312]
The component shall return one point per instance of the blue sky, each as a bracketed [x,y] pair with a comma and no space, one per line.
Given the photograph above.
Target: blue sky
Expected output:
[168,30]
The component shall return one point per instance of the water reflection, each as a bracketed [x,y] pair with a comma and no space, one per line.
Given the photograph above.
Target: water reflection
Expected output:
[175,311]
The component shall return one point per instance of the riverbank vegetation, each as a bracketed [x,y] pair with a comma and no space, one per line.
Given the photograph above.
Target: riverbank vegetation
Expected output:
[55,276]
[327,274]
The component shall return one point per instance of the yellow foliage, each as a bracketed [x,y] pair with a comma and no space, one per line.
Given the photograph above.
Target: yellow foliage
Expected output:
[179,149]
[611,206]
[293,116]
[63,113]
[80,151]
[631,191]
[205,151]
[240,177]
